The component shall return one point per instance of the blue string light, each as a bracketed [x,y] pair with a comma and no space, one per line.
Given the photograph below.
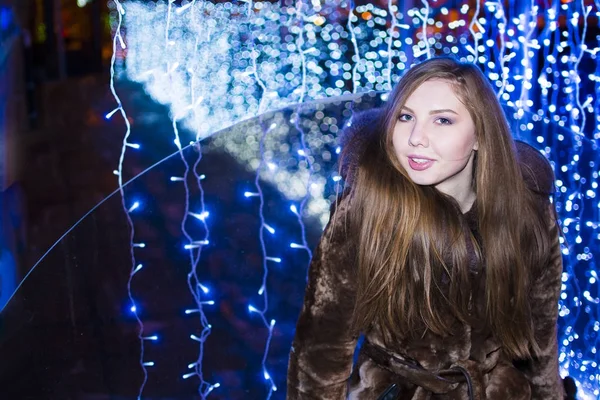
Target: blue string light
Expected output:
[262,291]
[119,173]
[269,56]
[194,246]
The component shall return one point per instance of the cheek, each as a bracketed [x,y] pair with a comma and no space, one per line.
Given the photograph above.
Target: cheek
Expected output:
[459,145]
[397,140]
[401,134]
[471,142]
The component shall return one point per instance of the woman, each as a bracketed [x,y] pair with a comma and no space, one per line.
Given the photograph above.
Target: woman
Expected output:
[443,252]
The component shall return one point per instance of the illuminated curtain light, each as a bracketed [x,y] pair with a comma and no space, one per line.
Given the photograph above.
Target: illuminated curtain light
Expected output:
[133,308]
[209,68]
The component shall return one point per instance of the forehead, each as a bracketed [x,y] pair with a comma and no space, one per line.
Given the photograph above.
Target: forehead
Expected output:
[435,94]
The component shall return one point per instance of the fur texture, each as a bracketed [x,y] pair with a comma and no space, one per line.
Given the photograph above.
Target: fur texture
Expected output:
[321,359]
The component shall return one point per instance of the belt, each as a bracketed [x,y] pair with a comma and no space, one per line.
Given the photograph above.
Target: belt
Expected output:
[441,381]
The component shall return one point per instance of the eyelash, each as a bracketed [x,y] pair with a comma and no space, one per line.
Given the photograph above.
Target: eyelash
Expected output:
[446,121]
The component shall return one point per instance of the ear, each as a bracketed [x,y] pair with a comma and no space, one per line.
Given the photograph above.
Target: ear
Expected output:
[476,145]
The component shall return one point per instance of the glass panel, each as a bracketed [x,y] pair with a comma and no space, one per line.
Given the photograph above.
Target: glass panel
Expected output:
[70,330]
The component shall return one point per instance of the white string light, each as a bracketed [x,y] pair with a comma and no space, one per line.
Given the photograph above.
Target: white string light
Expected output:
[330,58]
[117,37]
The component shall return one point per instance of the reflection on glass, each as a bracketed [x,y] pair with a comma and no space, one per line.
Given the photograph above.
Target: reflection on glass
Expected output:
[219,269]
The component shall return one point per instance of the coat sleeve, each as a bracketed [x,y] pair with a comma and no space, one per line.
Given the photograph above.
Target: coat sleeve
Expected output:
[322,351]
[543,372]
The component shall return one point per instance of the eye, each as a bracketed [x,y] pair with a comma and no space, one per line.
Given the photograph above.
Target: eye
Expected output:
[444,121]
[405,117]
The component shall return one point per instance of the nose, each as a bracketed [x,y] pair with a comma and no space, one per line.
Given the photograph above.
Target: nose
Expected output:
[418,136]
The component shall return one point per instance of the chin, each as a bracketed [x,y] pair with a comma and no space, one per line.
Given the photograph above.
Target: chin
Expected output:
[421,180]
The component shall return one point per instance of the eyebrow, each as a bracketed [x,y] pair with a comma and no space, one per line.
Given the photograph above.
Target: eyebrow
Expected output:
[443,110]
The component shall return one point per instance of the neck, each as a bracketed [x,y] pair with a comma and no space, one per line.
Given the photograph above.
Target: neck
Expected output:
[466,203]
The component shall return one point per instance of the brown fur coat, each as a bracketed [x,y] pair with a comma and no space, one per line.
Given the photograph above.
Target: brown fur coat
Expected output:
[321,359]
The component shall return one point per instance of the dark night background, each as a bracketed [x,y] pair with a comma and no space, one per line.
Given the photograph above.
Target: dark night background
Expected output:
[68,332]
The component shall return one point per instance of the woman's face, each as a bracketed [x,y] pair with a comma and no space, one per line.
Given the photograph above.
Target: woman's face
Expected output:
[434,139]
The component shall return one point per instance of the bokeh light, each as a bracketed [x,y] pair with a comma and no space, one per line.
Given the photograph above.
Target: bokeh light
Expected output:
[220,65]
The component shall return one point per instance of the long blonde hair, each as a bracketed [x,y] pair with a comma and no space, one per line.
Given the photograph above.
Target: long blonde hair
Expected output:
[414,247]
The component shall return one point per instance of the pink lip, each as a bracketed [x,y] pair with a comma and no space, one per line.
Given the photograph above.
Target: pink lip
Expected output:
[420,157]
[419,166]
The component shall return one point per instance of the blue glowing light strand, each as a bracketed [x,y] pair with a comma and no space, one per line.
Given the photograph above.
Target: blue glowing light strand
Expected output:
[193,246]
[476,35]
[300,46]
[595,324]
[569,318]
[263,291]
[356,56]
[254,55]
[579,135]
[169,7]
[184,7]
[265,259]
[304,150]
[194,284]
[499,6]
[546,76]
[390,39]
[579,128]
[596,107]
[424,36]
[303,202]
[554,59]
[134,269]
[596,78]
[529,19]
[568,357]
[572,364]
